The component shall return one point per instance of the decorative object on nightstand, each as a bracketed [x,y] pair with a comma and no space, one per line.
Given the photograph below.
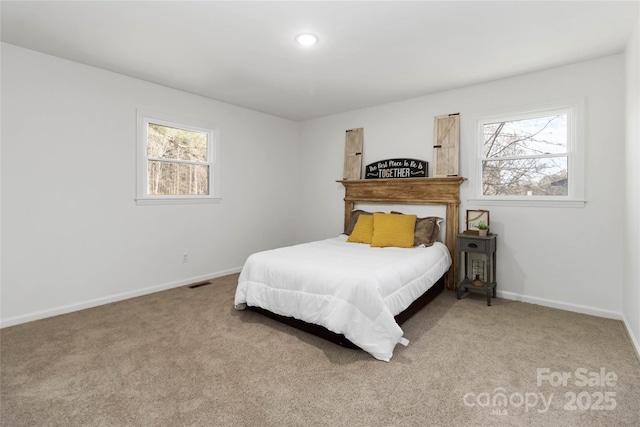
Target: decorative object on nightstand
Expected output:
[477,221]
[477,271]
[486,245]
[483,229]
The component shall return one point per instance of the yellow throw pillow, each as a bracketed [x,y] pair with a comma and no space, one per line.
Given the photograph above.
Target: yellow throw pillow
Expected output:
[363,230]
[393,230]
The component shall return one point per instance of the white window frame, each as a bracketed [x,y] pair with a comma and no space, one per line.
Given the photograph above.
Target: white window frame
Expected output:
[574,108]
[142,160]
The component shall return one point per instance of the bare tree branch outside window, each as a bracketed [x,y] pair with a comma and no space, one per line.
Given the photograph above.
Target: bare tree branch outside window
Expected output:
[177,161]
[526,157]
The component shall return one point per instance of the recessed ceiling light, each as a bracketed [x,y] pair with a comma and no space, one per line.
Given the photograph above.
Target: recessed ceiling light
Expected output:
[307,39]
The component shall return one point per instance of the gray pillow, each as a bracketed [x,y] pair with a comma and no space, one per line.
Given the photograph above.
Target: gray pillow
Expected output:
[354,218]
[427,229]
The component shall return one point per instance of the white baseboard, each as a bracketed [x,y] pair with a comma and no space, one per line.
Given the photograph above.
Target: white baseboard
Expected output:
[634,339]
[577,309]
[16,320]
[562,305]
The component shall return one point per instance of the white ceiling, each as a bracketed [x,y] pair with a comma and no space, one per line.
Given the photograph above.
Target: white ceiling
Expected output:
[370,52]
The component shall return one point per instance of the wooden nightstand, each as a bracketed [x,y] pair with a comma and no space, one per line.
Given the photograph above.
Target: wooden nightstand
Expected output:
[471,243]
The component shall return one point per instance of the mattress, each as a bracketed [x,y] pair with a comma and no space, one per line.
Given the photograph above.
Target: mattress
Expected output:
[349,288]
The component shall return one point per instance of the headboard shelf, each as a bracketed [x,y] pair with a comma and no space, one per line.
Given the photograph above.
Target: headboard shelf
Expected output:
[432,191]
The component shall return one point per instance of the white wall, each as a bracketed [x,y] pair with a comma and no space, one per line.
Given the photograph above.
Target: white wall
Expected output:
[72,235]
[564,257]
[631,282]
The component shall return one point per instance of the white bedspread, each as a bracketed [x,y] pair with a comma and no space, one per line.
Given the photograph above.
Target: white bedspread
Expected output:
[349,288]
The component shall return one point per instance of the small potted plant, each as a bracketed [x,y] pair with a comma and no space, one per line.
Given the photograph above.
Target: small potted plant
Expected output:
[483,228]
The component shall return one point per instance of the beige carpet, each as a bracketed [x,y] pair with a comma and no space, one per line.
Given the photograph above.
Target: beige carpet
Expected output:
[185,357]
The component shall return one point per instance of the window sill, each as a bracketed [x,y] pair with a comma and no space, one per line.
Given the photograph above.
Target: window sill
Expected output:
[177,201]
[528,203]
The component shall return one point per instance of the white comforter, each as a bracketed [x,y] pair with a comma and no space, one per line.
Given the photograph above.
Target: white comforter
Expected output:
[349,288]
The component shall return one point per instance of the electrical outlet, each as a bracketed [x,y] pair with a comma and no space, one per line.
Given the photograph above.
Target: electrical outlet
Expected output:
[185,258]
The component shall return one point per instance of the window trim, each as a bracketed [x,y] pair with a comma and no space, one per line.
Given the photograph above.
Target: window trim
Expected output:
[574,108]
[142,160]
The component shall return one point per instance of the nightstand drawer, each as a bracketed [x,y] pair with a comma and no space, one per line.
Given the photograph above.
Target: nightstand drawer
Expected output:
[472,245]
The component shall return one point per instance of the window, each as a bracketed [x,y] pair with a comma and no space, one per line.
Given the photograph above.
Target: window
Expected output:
[531,157]
[177,161]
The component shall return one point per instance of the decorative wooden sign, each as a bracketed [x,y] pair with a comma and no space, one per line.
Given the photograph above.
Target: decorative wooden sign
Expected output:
[397,168]
[353,154]
[446,145]
[474,218]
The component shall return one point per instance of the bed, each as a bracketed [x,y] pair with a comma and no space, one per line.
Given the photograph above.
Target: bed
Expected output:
[351,293]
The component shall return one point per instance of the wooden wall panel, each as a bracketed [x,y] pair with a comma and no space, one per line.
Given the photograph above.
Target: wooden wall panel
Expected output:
[446,145]
[353,154]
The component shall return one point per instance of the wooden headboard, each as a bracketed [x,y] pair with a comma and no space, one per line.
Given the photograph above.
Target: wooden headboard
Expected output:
[418,191]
